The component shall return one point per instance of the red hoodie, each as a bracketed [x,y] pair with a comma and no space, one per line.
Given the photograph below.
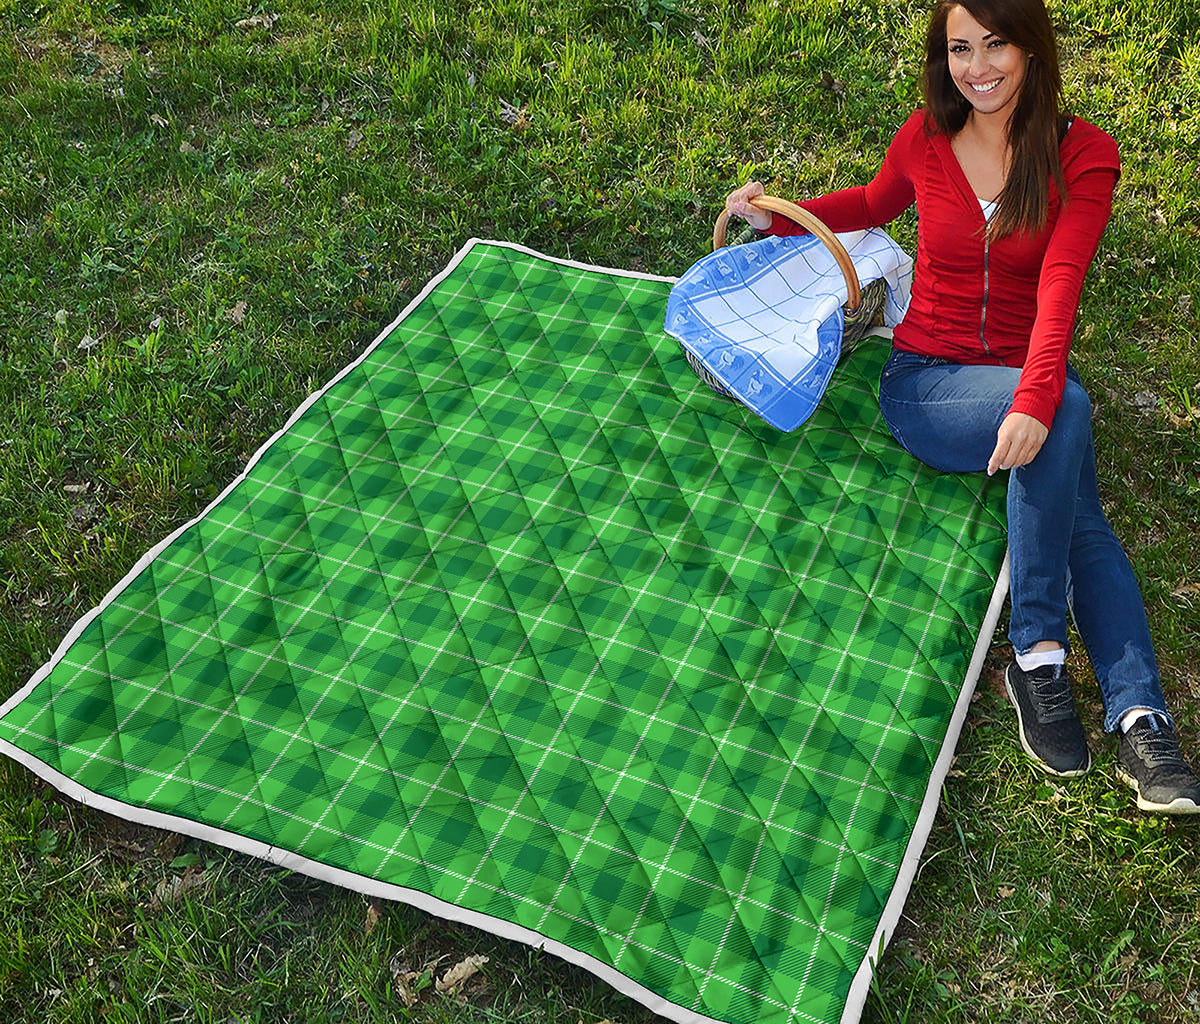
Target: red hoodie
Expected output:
[1010,301]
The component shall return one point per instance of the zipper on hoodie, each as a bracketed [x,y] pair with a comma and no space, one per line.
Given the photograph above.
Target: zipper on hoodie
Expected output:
[983,308]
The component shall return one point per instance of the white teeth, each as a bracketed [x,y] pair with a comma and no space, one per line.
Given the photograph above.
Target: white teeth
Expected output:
[986,88]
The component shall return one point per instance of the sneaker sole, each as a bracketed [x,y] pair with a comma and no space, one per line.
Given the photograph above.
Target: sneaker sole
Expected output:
[1072,773]
[1180,805]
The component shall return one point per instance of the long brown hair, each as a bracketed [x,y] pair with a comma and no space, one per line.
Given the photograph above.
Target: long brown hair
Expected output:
[1035,125]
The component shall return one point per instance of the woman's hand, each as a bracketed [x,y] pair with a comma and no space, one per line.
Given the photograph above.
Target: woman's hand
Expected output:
[1018,441]
[737,203]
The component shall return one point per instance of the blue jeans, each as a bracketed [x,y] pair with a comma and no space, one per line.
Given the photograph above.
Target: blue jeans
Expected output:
[1062,549]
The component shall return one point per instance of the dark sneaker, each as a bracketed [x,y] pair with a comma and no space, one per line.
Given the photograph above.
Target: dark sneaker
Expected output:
[1149,760]
[1051,732]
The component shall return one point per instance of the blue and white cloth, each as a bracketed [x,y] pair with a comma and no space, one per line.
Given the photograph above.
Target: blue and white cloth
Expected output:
[766,318]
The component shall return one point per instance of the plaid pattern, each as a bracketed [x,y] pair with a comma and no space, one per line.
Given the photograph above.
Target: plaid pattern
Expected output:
[517,615]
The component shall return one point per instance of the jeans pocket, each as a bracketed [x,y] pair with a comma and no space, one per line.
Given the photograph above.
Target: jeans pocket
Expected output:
[900,362]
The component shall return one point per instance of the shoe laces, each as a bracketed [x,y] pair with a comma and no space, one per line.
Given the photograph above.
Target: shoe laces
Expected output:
[1053,693]
[1158,748]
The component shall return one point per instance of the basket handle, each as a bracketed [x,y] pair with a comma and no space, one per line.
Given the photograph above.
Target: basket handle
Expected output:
[806,220]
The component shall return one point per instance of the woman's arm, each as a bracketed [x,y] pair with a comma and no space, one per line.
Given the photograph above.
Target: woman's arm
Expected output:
[1072,247]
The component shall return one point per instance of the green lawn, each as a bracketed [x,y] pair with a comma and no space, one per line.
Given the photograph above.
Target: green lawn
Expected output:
[201,222]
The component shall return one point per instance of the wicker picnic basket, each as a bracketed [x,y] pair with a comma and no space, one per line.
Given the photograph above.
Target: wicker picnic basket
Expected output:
[862,308]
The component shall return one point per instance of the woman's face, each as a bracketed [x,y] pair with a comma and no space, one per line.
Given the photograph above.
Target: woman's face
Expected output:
[987,69]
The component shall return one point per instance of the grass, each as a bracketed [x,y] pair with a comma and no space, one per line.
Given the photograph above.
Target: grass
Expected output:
[202,222]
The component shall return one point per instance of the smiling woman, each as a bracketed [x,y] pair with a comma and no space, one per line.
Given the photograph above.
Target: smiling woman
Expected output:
[987,69]
[1012,198]
[997,90]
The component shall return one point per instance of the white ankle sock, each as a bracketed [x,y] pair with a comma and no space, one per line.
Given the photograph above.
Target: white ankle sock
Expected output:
[1128,719]
[1036,659]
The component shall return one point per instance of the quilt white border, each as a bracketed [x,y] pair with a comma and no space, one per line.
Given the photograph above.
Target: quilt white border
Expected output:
[860,986]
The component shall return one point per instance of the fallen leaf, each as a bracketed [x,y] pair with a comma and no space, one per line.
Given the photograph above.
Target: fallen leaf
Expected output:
[831,84]
[1006,891]
[1146,401]
[404,989]
[82,514]
[460,972]
[994,668]
[186,147]
[87,341]
[169,846]
[76,488]
[257,21]
[514,116]
[171,889]
[130,850]
[238,313]
[374,912]
[60,317]
[354,139]
[409,983]
[158,120]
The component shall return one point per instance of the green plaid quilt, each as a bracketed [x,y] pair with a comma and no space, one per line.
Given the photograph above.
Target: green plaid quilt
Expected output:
[516,621]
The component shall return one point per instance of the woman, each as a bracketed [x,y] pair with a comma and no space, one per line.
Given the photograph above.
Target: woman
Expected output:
[1012,198]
